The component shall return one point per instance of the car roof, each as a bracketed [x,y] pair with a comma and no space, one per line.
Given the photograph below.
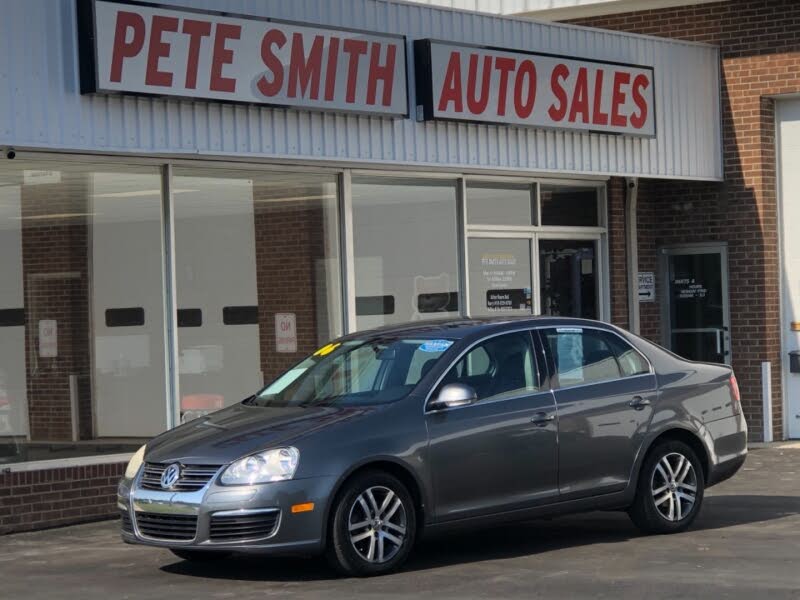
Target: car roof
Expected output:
[468,327]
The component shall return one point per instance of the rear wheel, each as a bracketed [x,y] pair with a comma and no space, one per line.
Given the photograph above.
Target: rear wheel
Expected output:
[670,489]
[373,525]
[200,556]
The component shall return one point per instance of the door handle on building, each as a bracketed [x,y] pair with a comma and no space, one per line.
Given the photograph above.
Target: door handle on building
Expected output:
[638,403]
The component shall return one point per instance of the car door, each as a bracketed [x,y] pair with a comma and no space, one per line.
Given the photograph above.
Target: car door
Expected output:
[604,390]
[500,452]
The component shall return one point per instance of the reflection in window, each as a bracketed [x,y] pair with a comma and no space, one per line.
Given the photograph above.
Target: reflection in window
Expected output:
[249,245]
[568,278]
[81,268]
[404,235]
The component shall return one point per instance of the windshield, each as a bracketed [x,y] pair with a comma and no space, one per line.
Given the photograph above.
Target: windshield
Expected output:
[355,373]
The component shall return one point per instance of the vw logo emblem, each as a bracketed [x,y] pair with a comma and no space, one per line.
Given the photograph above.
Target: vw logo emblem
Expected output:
[170,476]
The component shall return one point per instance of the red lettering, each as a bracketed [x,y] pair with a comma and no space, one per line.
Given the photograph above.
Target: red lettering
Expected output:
[524,105]
[159,49]
[598,116]
[273,37]
[640,83]
[330,76]
[196,30]
[618,99]
[477,104]
[122,48]
[380,72]
[223,56]
[560,72]
[451,89]
[304,71]
[580,97]
[505,66]
[355,48]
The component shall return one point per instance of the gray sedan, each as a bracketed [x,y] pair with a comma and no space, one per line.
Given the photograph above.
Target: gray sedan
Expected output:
[382,436]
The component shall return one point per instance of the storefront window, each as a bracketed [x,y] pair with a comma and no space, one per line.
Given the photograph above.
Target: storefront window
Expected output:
[257,278]
[406,250]
[81,304]
[571,206]
[500,204]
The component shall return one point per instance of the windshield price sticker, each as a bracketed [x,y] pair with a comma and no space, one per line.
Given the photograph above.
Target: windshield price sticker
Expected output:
[435,346]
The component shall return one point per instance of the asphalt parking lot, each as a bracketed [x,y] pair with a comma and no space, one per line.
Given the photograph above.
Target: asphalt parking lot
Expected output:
[744,544]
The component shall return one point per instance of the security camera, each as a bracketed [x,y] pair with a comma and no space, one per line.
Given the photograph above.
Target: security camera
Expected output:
[11,154]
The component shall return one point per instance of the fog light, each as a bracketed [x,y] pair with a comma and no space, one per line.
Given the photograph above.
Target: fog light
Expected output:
[301,508]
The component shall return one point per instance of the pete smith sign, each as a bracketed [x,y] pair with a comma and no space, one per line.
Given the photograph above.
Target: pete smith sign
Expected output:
[141,48]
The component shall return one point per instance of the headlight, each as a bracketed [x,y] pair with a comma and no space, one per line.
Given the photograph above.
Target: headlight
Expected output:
[135,462]
[272,465]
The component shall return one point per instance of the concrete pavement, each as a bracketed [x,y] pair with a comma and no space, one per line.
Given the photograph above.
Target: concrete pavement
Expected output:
[744,544]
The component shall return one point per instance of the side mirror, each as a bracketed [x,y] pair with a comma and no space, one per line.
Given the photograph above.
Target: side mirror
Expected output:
[453,395]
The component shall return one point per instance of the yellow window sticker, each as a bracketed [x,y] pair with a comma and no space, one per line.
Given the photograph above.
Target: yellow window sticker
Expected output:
[327,349]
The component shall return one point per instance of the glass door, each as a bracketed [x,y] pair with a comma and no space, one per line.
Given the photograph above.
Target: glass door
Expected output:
[696,303]
[568,278]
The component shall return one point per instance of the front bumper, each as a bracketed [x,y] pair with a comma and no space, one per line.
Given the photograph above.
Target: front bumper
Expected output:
[293,533]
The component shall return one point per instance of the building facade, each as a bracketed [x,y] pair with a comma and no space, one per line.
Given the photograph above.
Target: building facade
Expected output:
[191,201]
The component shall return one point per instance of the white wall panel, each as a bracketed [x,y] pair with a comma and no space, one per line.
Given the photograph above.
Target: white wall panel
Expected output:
[40,106]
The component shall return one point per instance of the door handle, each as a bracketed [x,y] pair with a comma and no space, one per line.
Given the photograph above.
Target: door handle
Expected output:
[638,403]
[541,419]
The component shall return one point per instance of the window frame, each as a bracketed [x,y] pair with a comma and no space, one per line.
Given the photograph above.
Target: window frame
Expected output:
[555,383]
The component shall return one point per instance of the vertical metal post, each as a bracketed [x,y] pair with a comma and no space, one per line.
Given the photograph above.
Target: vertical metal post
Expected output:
[348,251]
[766,395]
[461,237]
[73,405]
[632,251]
[172,382]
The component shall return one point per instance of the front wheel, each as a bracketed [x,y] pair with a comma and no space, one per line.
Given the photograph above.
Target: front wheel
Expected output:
[670,489]
[373,525]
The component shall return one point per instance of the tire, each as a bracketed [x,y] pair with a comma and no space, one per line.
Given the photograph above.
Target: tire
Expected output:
[200,556]
[669,493]
[362,544]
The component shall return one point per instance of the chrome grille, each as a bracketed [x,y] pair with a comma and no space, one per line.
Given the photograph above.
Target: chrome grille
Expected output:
[242,527]
[192,478]
[167,526]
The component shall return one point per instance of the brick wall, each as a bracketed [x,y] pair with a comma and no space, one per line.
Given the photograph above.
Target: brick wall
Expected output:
[49,498]
[760,50]
[56,283]
[290,245]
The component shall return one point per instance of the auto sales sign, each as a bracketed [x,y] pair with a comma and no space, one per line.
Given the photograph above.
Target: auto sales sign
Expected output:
[470,83]
[148,49]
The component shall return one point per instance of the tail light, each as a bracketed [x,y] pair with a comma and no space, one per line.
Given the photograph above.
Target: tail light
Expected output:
[736,398]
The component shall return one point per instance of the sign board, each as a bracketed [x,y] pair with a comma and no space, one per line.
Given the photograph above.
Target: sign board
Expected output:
[508,299]
[511,87]
[647,286]
[139,48]
[48,338]
[286,332]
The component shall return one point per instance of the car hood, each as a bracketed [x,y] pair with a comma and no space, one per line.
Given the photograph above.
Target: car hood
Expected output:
[231,433]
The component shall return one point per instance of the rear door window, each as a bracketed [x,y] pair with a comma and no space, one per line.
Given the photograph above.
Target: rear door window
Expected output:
[631,362]
[581,356]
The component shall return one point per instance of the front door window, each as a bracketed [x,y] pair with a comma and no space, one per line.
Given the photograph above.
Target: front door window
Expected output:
[568,278]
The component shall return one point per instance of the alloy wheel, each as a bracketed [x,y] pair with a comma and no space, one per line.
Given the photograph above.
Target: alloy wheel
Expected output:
[377,524]
[674,486]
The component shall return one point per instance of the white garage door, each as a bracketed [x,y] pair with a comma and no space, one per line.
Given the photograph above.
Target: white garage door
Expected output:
[788,113]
